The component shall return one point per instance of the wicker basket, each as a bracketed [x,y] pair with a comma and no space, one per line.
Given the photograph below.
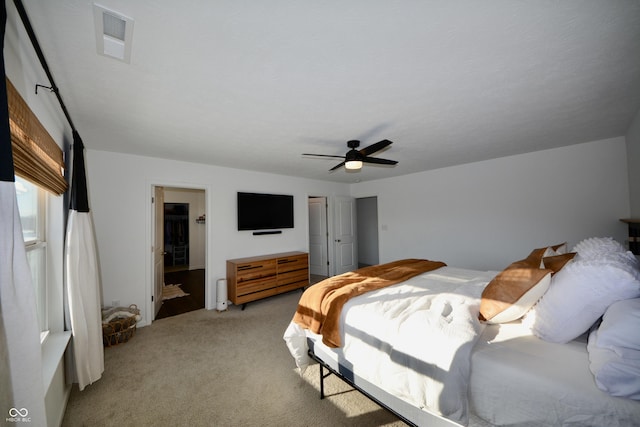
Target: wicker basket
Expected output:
[120,329]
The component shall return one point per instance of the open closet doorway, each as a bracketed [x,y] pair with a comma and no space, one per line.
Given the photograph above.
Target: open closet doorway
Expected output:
[176,237]
[180,229]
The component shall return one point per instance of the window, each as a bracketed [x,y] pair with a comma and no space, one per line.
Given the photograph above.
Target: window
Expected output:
[33,212]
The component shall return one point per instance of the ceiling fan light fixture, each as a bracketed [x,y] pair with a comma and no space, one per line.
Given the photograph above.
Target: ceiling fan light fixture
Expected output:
[353,160]
[353,164]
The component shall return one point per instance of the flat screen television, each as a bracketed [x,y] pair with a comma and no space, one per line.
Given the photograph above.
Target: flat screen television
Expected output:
[257,211]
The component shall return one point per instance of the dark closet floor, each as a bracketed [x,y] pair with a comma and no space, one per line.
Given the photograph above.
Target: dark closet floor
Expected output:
[192,282]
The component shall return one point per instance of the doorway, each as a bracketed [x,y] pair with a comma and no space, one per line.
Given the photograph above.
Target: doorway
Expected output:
[181,229]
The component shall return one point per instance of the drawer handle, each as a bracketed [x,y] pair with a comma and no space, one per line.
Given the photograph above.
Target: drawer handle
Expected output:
[249,267]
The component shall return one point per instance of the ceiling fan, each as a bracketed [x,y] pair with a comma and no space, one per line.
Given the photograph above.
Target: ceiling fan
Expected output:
[354,159]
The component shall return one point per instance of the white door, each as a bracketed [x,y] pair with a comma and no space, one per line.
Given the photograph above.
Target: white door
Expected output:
[345,243]
[158,249]
[318,237]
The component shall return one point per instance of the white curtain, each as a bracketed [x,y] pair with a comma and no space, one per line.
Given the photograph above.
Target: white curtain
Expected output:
[21,385]
[82,278]
[22,394]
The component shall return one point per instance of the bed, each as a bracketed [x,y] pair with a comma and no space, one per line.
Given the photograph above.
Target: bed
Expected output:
[452,346]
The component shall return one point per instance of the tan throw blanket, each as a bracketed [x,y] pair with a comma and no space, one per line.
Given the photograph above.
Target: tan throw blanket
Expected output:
[321,304]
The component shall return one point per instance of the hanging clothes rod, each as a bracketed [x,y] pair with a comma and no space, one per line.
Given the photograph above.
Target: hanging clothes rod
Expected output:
[34,41]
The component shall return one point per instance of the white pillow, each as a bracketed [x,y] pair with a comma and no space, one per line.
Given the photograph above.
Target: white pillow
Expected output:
[614,350]
[580,293]
[595,246]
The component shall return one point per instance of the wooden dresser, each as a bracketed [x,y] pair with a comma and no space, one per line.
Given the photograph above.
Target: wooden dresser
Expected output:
[253,278]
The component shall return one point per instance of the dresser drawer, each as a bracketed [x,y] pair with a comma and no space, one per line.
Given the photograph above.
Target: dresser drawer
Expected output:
[251,286]
[291,263]
[293,276]
[255,270]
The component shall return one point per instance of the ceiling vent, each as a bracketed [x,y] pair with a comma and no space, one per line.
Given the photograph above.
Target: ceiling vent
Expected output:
[114,32]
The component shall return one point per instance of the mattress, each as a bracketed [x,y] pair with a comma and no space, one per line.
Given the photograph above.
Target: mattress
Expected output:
[333,358]
[519,379]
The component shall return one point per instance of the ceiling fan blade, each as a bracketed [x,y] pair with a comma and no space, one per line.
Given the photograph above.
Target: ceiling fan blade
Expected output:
[337,167]
[323,155]
[379,161]
[375,147]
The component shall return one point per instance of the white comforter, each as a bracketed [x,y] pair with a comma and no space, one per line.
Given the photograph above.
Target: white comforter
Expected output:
[413,339]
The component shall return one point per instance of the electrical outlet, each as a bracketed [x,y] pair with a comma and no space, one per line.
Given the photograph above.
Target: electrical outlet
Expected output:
[115,303]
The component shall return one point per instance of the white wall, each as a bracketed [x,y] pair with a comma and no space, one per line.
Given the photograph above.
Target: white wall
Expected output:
[485,215]
[633,161]
[120,197]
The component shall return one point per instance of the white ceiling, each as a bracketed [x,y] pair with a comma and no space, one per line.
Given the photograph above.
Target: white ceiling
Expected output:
[254,84]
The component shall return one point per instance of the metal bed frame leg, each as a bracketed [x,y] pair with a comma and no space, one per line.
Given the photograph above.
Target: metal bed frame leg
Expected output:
[321,382]
[322,377]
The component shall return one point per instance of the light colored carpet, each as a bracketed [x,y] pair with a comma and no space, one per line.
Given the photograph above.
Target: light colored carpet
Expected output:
[206,368]
[172,291]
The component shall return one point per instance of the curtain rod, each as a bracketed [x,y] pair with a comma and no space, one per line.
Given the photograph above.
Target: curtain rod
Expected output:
[43,62]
